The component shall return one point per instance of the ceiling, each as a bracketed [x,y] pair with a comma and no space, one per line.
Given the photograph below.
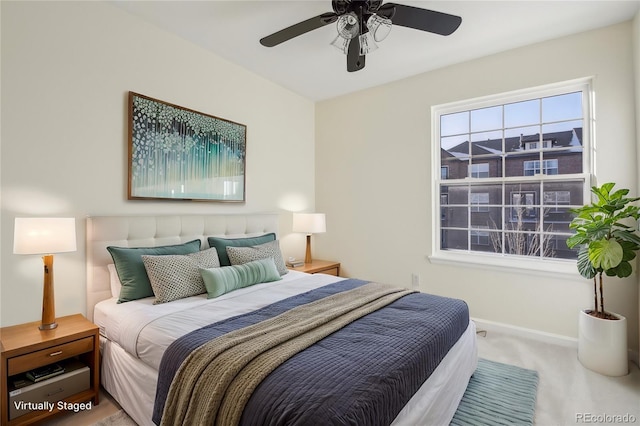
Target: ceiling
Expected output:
[311,67]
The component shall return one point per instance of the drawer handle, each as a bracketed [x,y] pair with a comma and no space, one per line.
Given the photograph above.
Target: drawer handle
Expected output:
[55,392]
[55,353]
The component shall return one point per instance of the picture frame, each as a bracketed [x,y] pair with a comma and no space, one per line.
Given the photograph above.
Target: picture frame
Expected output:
[176,153]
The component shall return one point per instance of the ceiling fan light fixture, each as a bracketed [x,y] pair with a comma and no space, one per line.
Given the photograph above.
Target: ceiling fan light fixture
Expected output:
[380,27]
[348,25]
[341,44]
[367,44]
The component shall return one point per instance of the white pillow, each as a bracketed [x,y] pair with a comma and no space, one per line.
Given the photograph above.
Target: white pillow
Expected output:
[114,280]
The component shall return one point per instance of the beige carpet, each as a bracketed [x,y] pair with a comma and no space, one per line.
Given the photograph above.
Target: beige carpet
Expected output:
[568,393]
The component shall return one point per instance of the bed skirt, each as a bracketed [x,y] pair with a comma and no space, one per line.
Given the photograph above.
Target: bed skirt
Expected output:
[132,383]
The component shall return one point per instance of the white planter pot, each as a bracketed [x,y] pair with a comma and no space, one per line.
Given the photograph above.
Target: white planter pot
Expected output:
[602,344]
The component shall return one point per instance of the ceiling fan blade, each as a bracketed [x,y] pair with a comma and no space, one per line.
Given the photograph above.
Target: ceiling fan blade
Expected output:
[420,19]
[355,62]
[299,29]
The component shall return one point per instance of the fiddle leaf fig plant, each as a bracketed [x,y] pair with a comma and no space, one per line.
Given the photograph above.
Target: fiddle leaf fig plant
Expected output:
[605,232]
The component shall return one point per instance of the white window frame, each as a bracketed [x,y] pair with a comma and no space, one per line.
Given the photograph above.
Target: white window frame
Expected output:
[492,260]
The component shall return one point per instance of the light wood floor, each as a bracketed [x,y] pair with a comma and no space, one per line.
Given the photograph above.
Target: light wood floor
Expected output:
[107,407]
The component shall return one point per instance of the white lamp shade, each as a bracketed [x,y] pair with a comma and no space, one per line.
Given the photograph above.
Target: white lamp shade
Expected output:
[44,235]
[309,223]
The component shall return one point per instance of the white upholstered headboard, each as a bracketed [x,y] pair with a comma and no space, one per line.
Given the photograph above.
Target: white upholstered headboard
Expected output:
[147,231]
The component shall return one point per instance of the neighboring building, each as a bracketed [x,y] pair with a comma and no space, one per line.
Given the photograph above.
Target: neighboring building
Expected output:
[477,205]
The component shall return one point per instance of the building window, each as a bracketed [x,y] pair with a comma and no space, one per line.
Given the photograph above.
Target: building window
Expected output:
[549,167]
[479,202]
[480,170]
[535,145]
[531,149]
[479,238]
[524,207]
[553,199]
[444,172]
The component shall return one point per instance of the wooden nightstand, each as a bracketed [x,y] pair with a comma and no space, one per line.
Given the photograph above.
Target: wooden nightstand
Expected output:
[320,266]
[24,347]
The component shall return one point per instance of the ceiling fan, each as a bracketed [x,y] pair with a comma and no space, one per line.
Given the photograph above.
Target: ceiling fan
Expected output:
[362,23]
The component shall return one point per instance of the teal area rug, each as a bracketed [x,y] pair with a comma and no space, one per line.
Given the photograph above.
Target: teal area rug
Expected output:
[498,394]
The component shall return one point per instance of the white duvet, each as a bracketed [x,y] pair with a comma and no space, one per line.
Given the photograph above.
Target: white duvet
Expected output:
[145,330]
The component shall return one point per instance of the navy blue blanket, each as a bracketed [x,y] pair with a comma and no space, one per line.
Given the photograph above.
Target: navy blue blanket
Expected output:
[361,375]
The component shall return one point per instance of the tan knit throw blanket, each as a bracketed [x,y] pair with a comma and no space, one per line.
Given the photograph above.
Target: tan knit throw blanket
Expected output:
[216,380]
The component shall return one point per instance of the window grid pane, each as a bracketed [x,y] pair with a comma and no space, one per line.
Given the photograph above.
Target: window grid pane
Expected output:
[523,206]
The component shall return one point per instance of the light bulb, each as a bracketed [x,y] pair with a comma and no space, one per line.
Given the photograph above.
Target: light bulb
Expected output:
[367,44]
[341,44]
[380,27]
[348,25]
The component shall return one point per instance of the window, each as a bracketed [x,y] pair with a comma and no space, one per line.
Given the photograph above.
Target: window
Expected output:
[523,207]
[536,145]
[555,198]
[549,167]
[444,172]
[515,164]
[480,202]
[479,170]
[479,238]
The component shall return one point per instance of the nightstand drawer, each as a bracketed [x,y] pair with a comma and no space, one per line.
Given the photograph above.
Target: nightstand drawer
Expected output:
[20,364]
[332,271]
[76,379]
[320,267]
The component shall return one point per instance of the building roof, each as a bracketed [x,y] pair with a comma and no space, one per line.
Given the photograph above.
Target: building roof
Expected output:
[566,138]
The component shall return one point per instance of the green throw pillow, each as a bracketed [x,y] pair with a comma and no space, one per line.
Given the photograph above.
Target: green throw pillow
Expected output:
[219,281]
[131,271]
[221,244]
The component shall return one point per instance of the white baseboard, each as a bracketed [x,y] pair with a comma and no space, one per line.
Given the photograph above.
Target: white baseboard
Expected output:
[633,357]
[540,336]
[528,333]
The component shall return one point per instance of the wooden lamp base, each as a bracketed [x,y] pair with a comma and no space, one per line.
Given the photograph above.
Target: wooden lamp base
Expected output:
[48,301]
[307,256]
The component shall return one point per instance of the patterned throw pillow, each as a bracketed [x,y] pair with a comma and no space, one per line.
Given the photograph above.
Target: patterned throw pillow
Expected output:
[175,277]
[134,279]
[240,255]
[221,244]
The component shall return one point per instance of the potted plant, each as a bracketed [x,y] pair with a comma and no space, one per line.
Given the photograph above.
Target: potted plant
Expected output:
[607,242]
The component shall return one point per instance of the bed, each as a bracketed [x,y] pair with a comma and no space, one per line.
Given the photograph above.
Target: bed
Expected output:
[139,338]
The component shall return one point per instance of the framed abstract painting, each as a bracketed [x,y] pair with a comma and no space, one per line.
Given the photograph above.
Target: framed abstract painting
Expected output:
[176,153]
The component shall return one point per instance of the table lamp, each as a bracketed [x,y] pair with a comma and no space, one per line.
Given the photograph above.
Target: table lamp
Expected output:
[39,235]
[309,223]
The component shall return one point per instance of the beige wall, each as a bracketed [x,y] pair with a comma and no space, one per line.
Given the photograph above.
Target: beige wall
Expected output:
[66,71]
[373,174]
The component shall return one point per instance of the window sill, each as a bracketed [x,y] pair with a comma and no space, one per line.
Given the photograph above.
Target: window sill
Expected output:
[566,268]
